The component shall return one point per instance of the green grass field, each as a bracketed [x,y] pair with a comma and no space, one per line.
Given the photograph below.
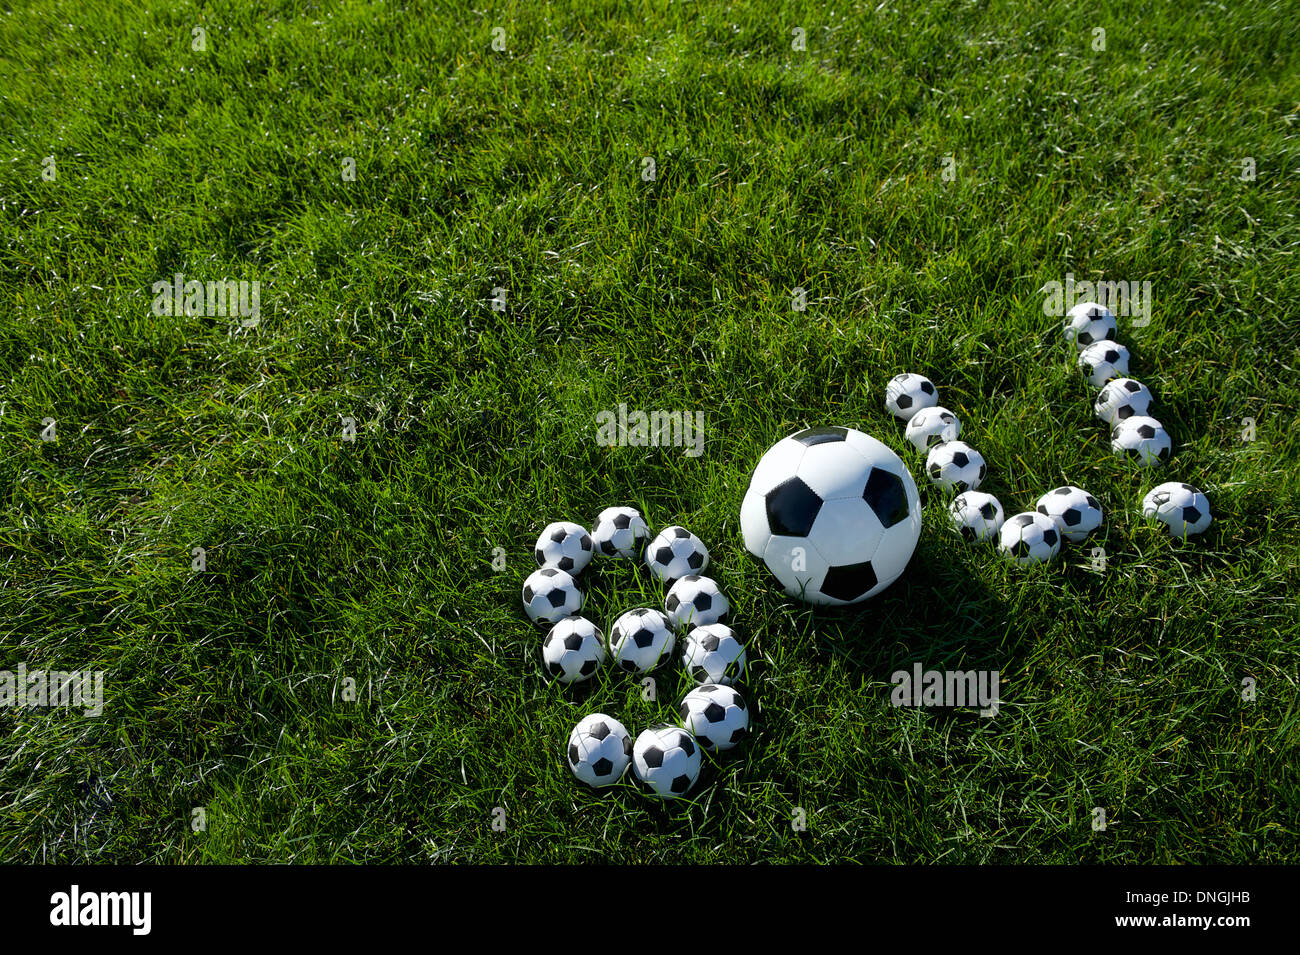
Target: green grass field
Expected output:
[920,169]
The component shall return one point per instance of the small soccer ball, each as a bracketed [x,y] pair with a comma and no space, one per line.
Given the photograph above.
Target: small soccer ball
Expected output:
[550,595]
[1088,323]
[620,532]
[833,513]
[564,545]
[975,515]
[930,427]
[640,640]
[694,601]
[667,760]
[1122,398]
[1180,507]
[716,714]
[600,749]
[573,651]
[955,465]
[1103,361]
[905,395]
[713,654]
[674,553]
[1143,439]
[1076,512]
[1029,538]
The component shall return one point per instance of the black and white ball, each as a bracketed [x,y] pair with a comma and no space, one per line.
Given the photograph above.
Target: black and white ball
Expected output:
[640,640]
[1122,398]
[932,426]
[550,595]
[975,515]
[713,654]
[667,760]
[1029,538]
[1103,361]
[620,532]
[674,553]
[1088,323]
[833,513]
[905,395]
[1076,512]
[1180,507]
[1143,439]
[694,601]
[573,651]
[564,545]
[600,750]
[717,716]
[955,465]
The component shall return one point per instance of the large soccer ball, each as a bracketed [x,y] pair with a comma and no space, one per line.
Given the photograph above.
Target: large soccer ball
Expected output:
[600,749]
[1122,398]
[1088,323]
[931,426]
[1143,439]
[833,513]
[667,760]
[573,651]
[905,395]
[694,601]
[550,595]
[975,515]
[1076,512]
[564,545]
[716,714]
[1103,361]
[674,553]
[713,654]
[1180,507]
[1029,538]
[621,532]
[640,640]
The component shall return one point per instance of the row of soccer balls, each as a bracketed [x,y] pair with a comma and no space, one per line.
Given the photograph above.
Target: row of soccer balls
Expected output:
[666,758]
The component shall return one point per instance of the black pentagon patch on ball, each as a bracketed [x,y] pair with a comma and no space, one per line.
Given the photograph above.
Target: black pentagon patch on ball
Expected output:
[585,542]
[1042,509]
[740,704]
[935,471]
[1071,517]
[688,747]
[1134,453]
[558,536]
[573,753]
[1023,520]
[960,459]
[715,713]
[1021,549]
[556,597]
[933,440]
[982,470]
[1062,490]
[672,603]
[681,784]
[945,416]
[904,401]
[539,555]
[1124,412]
[988,511]
[927,387]
[699,674]
[602,767]
[627,746]
[588,668]
[1146,431]
[849,581]
[1191,514]
[695,561]
[528,594]
[664,555]
[1049,537]
[549,572]
[1112,356]
[554,668]
[598,730]
[653,757]
[711,642]
[1092,502]
[607,548]
[968,532]
[1085,337]
[792,507]
[680,533]
[885,496]
[1114,432]
[738,734]
[1133,387]
[1189,489]
[684,711]
[703,602]
[566,563]
[622,521]
[643,638]
[961,485]
[812,436]
[627,665]
[1160,497]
